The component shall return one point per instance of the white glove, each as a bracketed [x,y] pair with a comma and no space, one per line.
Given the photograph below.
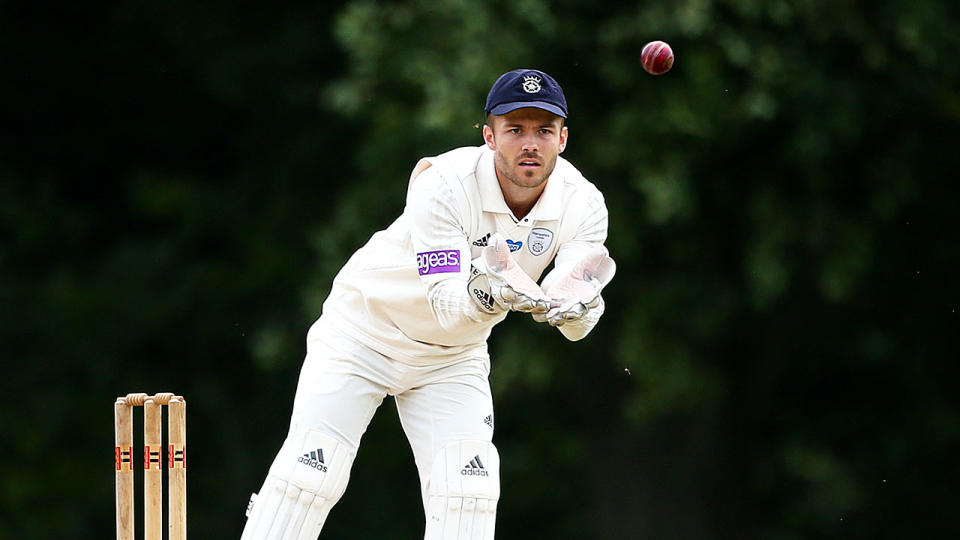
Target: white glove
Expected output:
[510,286]
[579,291]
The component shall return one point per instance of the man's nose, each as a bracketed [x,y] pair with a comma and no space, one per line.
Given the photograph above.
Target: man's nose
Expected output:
[530,145]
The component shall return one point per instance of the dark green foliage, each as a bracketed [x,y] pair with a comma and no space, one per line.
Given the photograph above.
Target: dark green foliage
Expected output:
[179,182]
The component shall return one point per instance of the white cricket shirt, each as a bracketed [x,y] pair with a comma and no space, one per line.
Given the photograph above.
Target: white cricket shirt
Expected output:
[397,292]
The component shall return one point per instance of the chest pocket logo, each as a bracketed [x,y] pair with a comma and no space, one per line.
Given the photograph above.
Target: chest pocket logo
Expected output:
[539,240]
[514,246]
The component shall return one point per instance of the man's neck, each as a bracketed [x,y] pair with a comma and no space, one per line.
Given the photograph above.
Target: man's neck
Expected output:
[520,200]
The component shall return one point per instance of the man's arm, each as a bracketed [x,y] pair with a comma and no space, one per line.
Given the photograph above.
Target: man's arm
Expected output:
[443,253]
[576,288]
[581,269]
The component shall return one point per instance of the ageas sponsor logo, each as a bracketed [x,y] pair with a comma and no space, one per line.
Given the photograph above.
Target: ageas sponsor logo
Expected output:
[438,262]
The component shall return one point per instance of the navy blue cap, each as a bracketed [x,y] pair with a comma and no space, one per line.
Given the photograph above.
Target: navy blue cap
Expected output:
[526,88]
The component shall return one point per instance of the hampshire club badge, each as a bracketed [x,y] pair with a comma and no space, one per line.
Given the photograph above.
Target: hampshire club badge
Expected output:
[539,240]
[531,84]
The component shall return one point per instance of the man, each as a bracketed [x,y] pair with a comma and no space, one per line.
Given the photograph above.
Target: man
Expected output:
[410,312]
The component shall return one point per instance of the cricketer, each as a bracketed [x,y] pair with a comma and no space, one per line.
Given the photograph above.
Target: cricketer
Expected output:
[410,312]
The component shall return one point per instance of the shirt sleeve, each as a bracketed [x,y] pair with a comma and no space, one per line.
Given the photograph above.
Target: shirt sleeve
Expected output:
[591,233]
[441,247]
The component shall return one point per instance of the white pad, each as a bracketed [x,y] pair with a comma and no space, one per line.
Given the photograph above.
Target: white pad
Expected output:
[462,492]
[308,476]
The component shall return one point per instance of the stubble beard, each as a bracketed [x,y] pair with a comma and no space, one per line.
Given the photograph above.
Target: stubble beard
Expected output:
[528,179]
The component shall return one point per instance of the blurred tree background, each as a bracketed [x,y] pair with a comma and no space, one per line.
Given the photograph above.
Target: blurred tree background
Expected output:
[180,181]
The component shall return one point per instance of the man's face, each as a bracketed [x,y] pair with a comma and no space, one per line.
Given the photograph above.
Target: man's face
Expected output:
[526,143]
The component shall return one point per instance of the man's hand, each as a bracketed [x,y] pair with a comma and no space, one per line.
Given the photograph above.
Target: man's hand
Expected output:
[579,291]
[510,286]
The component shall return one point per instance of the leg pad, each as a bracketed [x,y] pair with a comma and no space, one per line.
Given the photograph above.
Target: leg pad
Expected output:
[462,492]
[308,476]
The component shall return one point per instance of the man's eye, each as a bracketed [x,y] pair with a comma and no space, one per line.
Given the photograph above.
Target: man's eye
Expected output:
[514,130]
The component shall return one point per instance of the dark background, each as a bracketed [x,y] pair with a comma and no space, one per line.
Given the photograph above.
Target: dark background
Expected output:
[180,181]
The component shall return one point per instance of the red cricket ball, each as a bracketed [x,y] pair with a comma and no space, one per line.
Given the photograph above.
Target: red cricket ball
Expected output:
[656,57]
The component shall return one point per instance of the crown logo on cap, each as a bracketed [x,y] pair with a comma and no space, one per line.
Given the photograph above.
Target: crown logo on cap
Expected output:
[531,84]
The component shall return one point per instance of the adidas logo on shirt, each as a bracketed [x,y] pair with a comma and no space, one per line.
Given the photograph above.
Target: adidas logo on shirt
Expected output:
[482,241]
[474,468]
[313,459]
[489,420]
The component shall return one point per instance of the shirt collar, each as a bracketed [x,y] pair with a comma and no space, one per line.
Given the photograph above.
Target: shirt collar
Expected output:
[547,208]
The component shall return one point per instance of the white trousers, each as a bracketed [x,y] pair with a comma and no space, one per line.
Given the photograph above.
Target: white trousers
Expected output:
[343,382]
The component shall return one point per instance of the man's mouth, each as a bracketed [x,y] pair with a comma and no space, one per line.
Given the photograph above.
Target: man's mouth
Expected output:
[529,163]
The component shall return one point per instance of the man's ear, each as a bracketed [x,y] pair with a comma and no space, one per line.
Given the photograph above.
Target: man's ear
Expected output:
[563,138]
[488,137]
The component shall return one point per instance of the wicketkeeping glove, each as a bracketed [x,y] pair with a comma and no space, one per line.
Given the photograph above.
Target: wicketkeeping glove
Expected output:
[510,286]
[579,291]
